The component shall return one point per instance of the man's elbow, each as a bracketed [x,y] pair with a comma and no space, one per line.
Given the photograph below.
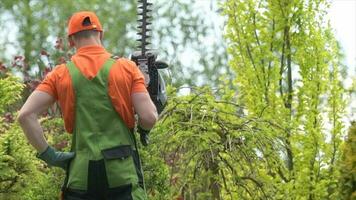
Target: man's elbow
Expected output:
[149,119]
[23,116]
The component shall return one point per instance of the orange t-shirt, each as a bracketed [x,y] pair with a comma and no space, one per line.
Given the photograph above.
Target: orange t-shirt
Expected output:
[124,79]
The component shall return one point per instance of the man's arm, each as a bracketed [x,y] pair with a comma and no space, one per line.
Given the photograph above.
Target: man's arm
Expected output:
[146,110]
[36,104]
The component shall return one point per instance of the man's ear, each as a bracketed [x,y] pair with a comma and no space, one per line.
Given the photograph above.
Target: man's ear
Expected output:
[71,41]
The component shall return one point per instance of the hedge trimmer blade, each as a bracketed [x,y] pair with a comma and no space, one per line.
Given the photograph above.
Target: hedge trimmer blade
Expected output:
[144,17]
[145,59]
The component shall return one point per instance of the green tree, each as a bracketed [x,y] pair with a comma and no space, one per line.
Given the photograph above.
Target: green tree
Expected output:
[182,33]
[188,34]
[288,70]
[39,23]
[213,151]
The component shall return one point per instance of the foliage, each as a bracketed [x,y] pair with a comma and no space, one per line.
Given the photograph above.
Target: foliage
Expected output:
[44,21]
[288,70]
[188,35]
[22,175]
[180,34]
[274,132]
[25,177]
[14,162]
[10,90]
[348,167]
[156,174]
[212,150]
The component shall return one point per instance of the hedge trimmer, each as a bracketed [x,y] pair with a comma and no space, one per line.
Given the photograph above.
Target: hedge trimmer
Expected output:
[145,59]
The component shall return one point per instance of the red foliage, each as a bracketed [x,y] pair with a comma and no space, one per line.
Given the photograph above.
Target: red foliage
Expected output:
[174,180]
[61,60]
[46,71]
[20,62]
[3,68]
[18,58]
[32,84]
[172,158]
[59,44]
[9,118]
[44,53]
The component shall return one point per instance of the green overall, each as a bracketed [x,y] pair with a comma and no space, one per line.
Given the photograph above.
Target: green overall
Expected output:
[100,134]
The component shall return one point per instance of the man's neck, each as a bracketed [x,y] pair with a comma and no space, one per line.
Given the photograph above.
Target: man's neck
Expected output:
[87,42]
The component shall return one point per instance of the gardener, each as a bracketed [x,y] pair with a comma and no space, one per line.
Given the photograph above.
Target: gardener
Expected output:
[98,96]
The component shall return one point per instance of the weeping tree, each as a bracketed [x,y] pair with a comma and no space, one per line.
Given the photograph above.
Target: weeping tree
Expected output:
[288,70]
[212,150]
[276,133]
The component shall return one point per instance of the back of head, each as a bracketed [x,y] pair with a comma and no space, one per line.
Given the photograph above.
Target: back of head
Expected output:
[84,25]
[86,33]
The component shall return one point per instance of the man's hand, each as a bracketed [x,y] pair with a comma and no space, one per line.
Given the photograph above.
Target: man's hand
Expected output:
[56,158]
[143,135]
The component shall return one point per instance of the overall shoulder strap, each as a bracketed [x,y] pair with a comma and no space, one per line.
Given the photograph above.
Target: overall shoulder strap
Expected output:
[103,74]
[77,77]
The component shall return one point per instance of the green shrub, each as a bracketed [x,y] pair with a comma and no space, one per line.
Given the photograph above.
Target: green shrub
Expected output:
[348,166]
[10,91]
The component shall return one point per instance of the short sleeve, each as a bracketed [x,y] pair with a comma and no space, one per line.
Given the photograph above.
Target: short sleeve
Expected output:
[138,81]
[48,84]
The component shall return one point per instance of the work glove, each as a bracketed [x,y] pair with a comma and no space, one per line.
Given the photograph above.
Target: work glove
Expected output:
[56,158]
[143,135]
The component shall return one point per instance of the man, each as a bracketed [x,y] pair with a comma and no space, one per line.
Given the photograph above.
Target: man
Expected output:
[98,96]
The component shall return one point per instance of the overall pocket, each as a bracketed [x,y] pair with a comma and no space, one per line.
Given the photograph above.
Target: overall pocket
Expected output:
[120,167]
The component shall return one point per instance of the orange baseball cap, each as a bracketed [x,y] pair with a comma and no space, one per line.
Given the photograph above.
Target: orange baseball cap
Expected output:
[84,20]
